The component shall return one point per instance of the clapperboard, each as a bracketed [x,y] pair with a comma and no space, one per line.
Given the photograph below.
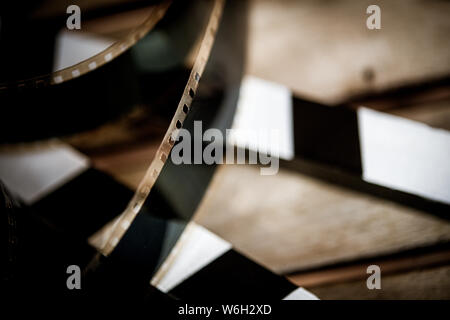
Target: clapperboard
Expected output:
[370,151]
[68,201]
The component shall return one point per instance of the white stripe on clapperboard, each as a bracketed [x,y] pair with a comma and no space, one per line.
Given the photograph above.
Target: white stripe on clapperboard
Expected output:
[36,172]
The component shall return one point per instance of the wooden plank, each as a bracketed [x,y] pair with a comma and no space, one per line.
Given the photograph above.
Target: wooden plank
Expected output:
[431,283]
[325,52]
[402,262]
[290,221]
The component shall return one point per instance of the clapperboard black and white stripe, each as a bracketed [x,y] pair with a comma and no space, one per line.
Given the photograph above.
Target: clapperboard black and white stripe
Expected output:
[371,151]
[202,266]
[158,257]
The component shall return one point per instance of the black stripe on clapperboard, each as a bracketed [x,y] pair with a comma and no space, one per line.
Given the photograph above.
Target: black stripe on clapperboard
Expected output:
[233,276]
[327,146]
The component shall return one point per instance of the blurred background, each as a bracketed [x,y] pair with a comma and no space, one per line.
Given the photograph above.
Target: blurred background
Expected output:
[323,235]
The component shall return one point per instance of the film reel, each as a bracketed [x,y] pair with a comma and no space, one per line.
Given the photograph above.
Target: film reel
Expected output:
[91,199]
[59,77]
[138,253]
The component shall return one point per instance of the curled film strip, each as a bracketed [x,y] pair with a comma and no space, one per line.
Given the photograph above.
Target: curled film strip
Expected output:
[156,12]
[108,237]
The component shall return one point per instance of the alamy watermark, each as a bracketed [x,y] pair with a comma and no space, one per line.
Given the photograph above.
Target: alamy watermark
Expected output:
[263,143]
[74,280]
[374,20]
[374,280]
[74,20]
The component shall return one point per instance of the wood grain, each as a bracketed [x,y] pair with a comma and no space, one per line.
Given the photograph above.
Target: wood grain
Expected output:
[290,221]
[431,283]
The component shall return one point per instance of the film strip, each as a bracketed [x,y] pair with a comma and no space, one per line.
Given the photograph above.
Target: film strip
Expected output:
[106,240]
[156,12]
[110,235]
